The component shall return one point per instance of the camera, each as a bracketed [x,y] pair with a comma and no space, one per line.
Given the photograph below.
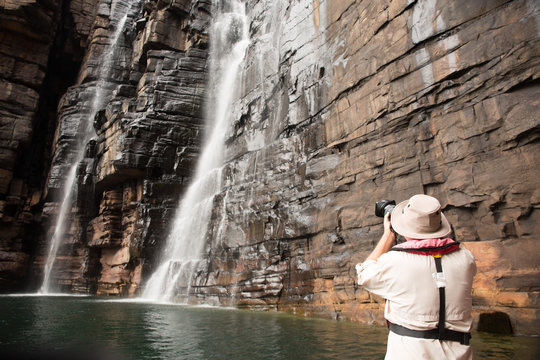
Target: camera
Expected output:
[384,206]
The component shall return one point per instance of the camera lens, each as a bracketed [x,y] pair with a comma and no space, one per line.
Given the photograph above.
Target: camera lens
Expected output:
[389,208]
[384,206]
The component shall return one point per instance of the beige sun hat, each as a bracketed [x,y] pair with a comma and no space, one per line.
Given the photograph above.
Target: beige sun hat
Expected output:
[420,217]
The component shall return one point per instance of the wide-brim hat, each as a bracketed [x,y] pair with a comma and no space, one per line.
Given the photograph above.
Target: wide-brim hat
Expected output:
[420,217]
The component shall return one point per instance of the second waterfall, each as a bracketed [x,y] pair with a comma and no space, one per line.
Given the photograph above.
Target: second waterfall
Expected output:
[185,243]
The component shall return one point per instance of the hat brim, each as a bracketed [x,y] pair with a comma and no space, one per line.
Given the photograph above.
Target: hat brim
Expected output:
[400,225]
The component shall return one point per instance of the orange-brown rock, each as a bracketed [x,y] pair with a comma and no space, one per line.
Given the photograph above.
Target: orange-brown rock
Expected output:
[352,102]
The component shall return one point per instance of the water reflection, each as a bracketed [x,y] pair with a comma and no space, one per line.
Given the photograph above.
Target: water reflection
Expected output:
[489,346]
[158,331]
[219,334]
[171,333]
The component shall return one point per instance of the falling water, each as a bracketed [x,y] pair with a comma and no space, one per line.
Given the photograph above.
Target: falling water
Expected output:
[100,97]
[185,243]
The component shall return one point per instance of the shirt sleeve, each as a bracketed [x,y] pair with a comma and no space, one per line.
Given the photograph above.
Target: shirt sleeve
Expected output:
[374,276]
[471,256]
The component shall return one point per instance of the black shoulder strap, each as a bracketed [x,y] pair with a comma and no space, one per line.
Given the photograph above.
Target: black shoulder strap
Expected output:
[442,298]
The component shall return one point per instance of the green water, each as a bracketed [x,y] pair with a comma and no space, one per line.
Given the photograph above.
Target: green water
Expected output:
[133,330]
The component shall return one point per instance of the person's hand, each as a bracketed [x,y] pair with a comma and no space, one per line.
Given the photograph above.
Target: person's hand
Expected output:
[387,224]
[388,233]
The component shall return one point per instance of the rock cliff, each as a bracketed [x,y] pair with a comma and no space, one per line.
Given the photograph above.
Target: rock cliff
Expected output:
[146,138]
[342,103]
[30,85]
[346,103]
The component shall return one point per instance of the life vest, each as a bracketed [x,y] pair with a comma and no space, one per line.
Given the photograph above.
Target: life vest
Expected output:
[436,248]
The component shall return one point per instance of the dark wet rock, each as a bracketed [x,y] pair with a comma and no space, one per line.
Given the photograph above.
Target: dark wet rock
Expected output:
[495,322]
[27,32]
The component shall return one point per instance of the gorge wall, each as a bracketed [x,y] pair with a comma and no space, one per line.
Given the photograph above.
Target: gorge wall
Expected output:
[38,57]
[341,104]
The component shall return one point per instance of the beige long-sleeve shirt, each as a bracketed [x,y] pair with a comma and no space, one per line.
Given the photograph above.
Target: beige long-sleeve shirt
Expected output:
[407,282]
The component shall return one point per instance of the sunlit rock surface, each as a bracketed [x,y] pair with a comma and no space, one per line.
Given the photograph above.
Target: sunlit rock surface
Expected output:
[346,103]
[343,103]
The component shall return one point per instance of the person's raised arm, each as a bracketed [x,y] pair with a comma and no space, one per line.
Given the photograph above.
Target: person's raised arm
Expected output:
[386,241]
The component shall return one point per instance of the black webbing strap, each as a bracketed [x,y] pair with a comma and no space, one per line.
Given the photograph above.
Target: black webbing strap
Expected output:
[440,333]
[461,337]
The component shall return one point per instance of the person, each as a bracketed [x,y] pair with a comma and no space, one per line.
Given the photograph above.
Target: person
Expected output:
[426,282]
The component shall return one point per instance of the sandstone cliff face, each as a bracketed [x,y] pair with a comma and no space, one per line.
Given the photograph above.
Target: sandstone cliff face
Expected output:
[41,45]
[27,31]
[144,105]
[147,130]
[343,103]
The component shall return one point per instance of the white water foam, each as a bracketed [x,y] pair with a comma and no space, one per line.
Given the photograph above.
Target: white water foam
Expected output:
[44,295]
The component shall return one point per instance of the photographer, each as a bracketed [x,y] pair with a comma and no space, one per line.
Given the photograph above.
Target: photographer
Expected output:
[426,281]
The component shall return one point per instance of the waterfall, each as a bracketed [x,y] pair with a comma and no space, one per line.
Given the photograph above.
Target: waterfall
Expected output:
[101,95]
[185,243]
